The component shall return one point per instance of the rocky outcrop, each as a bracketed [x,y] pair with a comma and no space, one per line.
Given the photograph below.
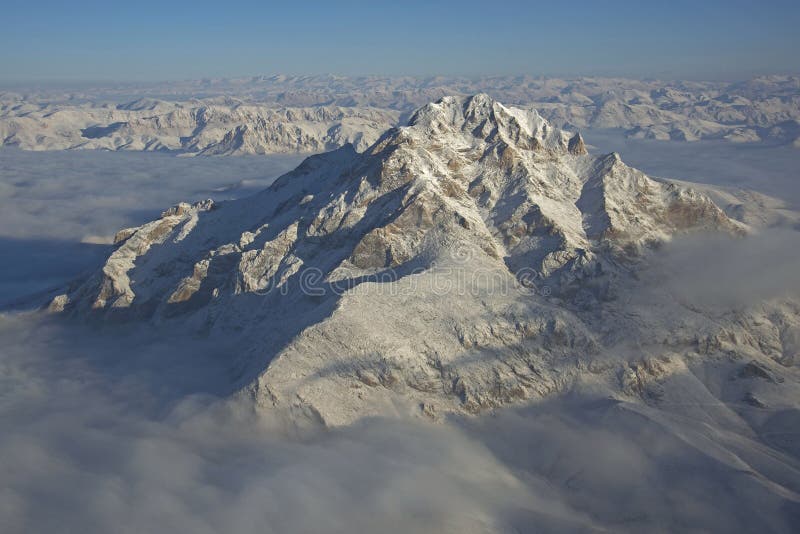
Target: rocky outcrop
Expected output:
[576,145]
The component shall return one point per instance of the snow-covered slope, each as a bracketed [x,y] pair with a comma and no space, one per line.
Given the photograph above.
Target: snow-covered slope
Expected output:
[475,258]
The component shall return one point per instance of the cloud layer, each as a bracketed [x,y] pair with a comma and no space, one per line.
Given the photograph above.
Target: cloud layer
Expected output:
[115,431]
[719,272]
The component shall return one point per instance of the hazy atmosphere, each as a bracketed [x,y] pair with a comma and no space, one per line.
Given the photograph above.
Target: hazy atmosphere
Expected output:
[424,267]
[153,41]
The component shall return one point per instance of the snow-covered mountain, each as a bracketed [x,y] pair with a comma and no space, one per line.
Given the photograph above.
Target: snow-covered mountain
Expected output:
[475,258]
[194,127]
[278,113]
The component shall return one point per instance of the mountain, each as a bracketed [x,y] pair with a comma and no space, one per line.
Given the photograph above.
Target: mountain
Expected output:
[250,113]
[208,128]
[475,258]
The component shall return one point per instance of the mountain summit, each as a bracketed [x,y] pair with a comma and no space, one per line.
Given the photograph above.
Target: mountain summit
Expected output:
[473,258]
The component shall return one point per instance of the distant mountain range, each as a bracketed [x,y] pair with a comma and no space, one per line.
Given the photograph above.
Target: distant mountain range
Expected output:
[192,127]
[316,113]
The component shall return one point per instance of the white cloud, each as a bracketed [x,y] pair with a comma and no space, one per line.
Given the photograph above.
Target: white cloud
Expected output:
[719,272]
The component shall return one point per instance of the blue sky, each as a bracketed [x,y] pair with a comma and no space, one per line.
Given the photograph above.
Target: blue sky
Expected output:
[145,40]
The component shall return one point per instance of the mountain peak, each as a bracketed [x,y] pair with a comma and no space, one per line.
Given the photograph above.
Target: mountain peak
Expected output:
[483,117]
[468,183]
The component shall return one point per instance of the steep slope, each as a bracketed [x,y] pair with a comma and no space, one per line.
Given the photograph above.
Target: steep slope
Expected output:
[474,258]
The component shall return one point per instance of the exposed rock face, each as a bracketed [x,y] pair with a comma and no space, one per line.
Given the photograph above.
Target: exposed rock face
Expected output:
[474,258]
[576,145]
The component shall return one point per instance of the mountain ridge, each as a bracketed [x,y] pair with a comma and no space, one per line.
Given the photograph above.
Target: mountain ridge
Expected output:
[762,110]
[331,280]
